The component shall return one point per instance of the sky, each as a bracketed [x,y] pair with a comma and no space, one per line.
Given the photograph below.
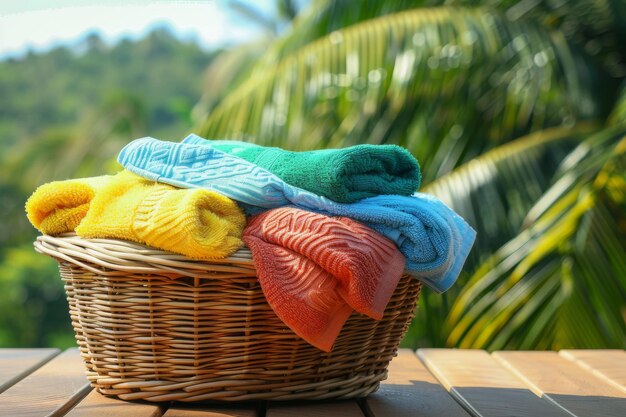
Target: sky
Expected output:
[42,24]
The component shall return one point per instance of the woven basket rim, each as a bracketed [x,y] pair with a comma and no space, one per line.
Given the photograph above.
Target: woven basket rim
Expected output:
[115,256]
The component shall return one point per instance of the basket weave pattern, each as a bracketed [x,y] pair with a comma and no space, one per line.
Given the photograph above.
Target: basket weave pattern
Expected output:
[156,326]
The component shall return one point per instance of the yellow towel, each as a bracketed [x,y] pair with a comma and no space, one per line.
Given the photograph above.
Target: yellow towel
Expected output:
[59,206]
[198,223]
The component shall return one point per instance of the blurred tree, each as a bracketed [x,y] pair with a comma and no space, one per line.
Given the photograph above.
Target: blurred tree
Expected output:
[595,25]
[232,65]
[273,24]
[341,90]
[66,114]
[506,108]
[33,309]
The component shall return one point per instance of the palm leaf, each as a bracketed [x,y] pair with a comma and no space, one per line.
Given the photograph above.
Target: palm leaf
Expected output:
[254,16]
[487,193]
[225,72]
[445,83]
[325,16]
[562,281]
[597,26]
[618,114]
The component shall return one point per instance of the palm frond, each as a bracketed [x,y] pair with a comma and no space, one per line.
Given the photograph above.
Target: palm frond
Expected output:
[494,192]
[227,70]
[562,281]
[597,26]
[325,16]
[618,114]
[445,83]
[254,16]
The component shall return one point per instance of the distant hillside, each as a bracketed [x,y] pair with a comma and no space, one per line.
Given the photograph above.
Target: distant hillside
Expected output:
[162,73]
[65,113]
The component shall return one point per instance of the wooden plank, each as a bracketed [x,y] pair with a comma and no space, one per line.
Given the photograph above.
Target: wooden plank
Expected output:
[411,390]
[51,390]
[15,364]
[217,411]
[97,405]
[483,386]
[348,408]
[566,384]
[609,365]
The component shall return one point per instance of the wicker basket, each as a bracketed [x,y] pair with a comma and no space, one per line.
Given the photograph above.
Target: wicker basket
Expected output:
[156,326]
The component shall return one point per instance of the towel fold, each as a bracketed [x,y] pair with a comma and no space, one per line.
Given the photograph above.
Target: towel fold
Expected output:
[317,316]
[59,206]
[434,239]
[315,269]
[198,223]
[343,175]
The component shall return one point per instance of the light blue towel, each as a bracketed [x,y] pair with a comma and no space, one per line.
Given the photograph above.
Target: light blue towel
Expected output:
[434,239]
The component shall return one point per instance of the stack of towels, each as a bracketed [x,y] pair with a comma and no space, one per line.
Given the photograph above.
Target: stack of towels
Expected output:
[330,231]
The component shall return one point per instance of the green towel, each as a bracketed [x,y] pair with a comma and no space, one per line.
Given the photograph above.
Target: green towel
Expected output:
[343,175]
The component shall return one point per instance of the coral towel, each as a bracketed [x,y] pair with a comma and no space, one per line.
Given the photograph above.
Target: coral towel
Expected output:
[315,269]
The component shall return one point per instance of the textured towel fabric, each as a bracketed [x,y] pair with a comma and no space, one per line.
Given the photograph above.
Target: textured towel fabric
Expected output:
[315,269]
[343,175]
[198,223]
[58,207]
[434,239]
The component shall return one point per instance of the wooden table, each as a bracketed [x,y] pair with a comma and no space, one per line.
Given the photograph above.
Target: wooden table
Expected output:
[431,382]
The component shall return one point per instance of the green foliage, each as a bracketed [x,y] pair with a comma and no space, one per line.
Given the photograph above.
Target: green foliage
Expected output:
[33,309]
[285,11]
[618,115]
[59,87]
[457,86]
[511,109]
[495,176]
[66,114]
[227,70]
[561,283]
[324,17]
[407,79]
[597,26]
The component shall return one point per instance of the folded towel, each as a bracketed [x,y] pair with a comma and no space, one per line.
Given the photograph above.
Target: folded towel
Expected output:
[58,207]
[434,239]
[198,223]
[315,269]
[344,175]
[318,315]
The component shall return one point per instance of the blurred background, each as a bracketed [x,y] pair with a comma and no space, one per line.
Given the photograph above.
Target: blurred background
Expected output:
[516,110]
